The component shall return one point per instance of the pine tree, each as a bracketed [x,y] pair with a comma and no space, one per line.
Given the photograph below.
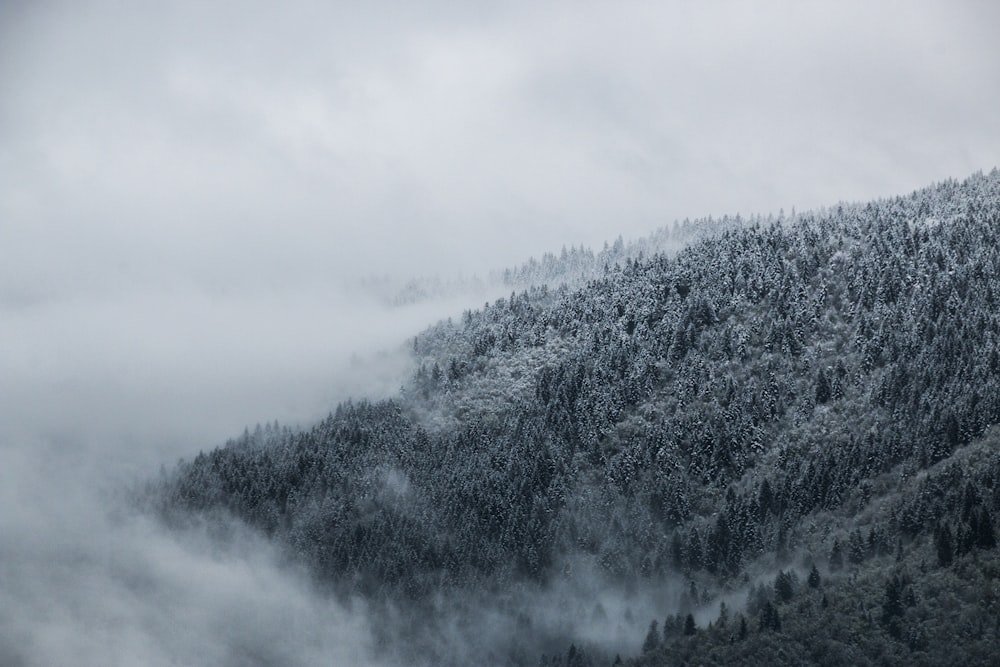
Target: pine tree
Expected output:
[814,578]
[823,390]
[784,587]
[856,547]
[986,538]
[672,627]
[892,604]
[944,544]
[652,639]
[836,557]
[689,627]
[769,619]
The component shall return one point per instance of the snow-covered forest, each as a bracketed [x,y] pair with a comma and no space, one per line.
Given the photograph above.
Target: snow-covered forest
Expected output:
[785,430]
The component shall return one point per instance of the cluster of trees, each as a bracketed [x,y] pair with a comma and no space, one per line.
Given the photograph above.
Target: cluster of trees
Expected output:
[897,611]
[735,403]
[571,267]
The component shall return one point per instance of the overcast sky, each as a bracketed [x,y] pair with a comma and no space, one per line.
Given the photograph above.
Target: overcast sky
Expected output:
[191,182]
[186,188]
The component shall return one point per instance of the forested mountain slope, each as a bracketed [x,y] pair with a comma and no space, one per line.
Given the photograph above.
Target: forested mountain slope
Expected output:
[572,267]
[788,392]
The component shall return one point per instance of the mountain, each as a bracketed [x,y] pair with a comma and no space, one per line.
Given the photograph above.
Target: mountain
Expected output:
[774,446]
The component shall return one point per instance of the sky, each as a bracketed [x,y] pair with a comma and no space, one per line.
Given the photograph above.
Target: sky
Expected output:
[191,193]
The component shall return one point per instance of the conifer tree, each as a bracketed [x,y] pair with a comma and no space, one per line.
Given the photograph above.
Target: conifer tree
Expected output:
[944,544]
[814,578]
[986,537]
[652,638]
[836,556]
[784,587]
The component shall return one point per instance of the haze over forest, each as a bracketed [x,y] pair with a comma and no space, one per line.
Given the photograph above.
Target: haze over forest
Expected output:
[218,216]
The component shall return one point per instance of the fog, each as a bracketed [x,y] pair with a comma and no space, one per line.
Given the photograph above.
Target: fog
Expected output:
[82,587]
[191,195]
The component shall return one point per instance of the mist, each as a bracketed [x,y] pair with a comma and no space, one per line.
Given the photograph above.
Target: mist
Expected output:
[83,586]
[191,195]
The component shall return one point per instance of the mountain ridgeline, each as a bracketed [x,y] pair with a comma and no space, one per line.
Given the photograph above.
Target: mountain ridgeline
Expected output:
[572,267]
[783,429]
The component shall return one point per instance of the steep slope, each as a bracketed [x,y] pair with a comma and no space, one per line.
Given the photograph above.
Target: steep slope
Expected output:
[755,402]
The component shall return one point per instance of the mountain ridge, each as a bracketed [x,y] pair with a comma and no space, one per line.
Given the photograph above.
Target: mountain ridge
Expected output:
[704,417]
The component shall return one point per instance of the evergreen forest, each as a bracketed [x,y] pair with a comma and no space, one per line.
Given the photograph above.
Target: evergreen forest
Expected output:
[770,440]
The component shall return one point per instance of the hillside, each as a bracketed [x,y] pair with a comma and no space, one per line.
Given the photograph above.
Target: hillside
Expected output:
[678,432]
